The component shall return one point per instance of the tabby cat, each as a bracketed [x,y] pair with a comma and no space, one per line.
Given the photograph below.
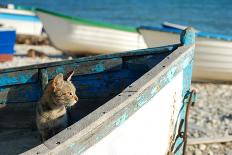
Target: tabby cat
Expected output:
[51,114]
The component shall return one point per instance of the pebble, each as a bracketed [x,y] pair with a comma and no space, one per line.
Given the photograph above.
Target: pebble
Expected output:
[32,40]
[215,146]
[210,152]
[202,147]
[198,152]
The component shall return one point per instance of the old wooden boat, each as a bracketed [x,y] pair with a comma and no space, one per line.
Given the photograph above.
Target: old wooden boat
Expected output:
[133,102]
[213,51]
[82,36]
[22,19]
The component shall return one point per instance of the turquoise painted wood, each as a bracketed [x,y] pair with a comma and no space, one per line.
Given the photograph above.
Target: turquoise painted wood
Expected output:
[94,76]
[113,91]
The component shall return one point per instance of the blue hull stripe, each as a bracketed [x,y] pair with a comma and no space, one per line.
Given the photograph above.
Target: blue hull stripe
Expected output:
[198,34]
[19,17]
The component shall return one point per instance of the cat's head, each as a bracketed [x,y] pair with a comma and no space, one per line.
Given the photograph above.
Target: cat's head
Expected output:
[64,92]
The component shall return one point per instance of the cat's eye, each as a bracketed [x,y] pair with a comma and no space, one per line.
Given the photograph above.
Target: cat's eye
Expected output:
[70,94]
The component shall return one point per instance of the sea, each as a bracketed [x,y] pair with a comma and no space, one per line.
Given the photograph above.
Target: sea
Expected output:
[214,16]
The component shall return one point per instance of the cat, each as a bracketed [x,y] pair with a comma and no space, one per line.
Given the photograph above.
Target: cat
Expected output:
[51,114]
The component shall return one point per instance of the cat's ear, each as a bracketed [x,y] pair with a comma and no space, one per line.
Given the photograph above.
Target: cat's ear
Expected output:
[68,76]
[58,81]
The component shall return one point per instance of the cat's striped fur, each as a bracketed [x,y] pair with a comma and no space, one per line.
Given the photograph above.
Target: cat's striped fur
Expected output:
[51,115]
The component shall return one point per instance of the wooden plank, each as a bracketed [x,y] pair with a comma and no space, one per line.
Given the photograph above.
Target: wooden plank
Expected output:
[209,140]
[40,149]
[30,76]
[138,64]
[18,77]
[84,68]
[20,93]
[103,84]
[144,63]
[165,49]
[19,116]
[16,141]
[106,84]
[85,89]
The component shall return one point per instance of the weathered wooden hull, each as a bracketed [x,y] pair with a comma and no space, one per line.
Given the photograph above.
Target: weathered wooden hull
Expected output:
[80,36]
[129,103]
[23,21]
[212,58]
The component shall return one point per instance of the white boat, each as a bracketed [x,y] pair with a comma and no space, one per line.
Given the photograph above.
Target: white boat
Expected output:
[23,21]
[81,36]
[213,56]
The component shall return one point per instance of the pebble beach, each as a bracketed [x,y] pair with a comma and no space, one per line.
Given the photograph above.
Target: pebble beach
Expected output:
[210,118]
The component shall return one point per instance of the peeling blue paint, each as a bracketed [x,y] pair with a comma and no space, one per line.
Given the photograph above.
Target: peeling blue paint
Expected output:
[8,80]
[187,76]
[187,36]
[141,100]
[121,119]
[171,73]
[186,62]
[54,71]
[155,90]
[187,73]
[60,70]
[98,138]
[18,77]
[71,145]
[74,149]
[99,68]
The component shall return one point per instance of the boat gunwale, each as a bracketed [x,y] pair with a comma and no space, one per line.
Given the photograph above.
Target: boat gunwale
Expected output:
[87,21]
